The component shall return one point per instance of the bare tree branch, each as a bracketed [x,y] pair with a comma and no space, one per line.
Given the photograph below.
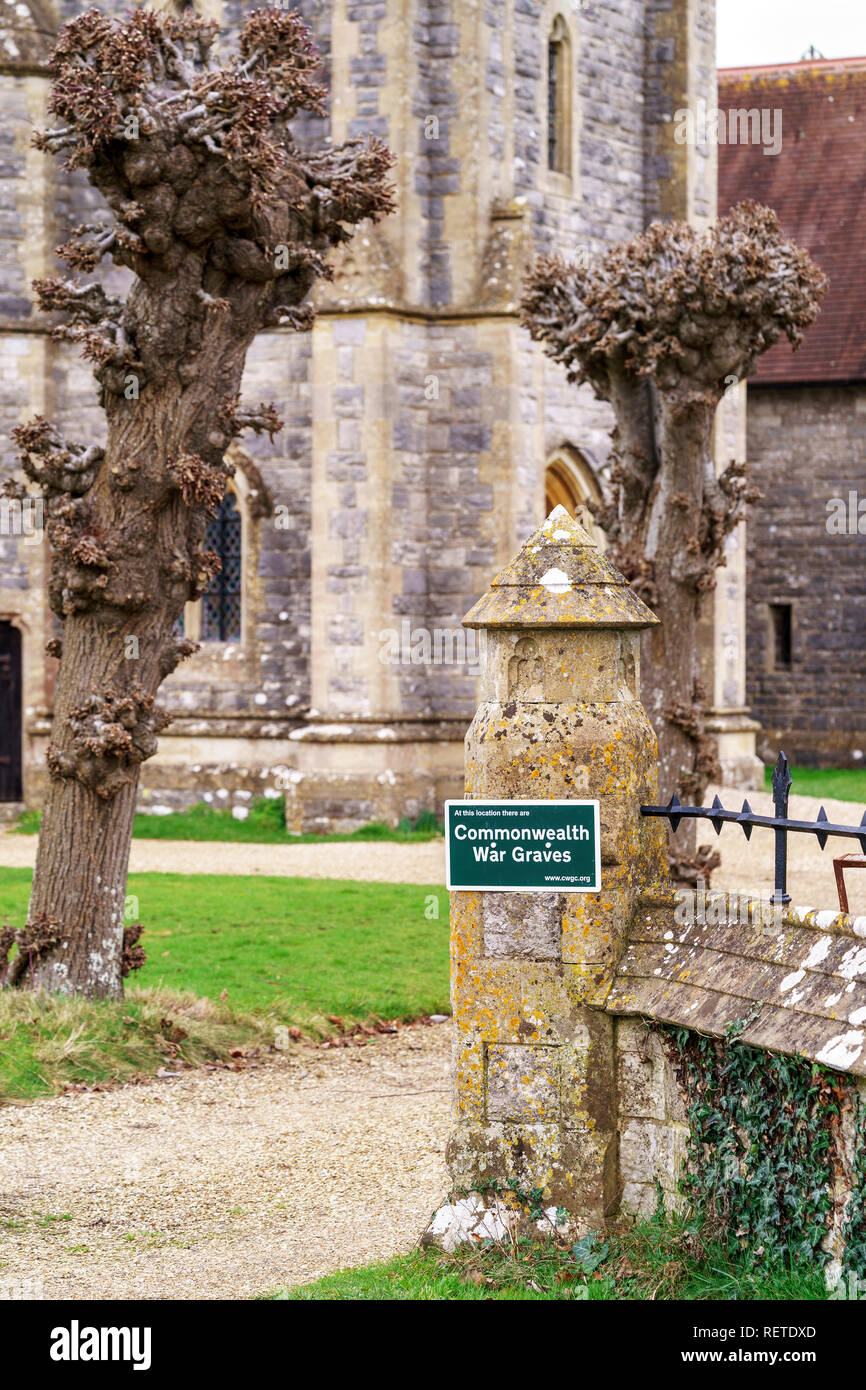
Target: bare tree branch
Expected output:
[659,326]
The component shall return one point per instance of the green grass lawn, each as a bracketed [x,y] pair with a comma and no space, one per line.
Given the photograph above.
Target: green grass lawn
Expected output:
[264,953]
[833,783]
[660,1259]
[265,824]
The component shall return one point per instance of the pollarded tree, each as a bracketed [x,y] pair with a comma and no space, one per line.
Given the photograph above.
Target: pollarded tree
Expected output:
[225,223]
[658,326]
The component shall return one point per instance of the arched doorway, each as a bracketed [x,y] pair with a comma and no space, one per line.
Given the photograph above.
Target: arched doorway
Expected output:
[570,482]
[10,713]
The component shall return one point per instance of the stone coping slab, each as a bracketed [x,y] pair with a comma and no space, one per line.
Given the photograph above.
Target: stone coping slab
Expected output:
[795,978]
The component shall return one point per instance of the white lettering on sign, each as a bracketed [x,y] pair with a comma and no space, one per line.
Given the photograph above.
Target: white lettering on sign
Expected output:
[519,855]
[486,832]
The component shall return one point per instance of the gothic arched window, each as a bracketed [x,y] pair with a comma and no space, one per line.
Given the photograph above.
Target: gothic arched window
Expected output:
[221,605]
[570,482]
[559,98]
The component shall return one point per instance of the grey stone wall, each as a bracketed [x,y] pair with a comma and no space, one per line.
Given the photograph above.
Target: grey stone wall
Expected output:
[14,134]
[807,445]
[652,1119]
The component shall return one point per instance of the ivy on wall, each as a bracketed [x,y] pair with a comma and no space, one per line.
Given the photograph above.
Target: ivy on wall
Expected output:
[765,1145]
[854,1224]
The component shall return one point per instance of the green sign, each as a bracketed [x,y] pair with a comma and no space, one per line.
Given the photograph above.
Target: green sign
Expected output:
[523,846]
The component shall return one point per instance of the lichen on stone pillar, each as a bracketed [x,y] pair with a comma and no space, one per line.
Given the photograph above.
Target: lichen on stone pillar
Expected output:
[534,1072]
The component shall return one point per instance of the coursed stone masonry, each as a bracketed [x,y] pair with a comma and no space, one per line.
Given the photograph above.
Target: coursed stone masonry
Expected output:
[535,1059]
[419,418]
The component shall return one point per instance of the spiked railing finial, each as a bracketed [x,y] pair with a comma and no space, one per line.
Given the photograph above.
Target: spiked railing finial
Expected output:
[781,780]
[747,819]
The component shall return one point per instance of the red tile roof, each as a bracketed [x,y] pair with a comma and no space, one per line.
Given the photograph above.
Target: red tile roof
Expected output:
[817,185]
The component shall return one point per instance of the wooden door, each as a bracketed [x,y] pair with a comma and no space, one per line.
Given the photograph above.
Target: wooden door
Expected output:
[10,713]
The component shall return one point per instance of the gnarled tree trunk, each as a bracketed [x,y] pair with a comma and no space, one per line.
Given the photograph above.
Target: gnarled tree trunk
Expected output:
[117,651]
[225,224]
[661,513]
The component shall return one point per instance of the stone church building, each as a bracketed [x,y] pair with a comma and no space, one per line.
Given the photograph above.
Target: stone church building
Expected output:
[424,437]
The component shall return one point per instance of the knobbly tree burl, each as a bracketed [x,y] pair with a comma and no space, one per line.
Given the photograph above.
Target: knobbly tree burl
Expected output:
[659,326]
[225,223]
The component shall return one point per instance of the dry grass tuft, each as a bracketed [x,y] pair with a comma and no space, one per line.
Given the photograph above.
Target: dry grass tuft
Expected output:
[50,1042]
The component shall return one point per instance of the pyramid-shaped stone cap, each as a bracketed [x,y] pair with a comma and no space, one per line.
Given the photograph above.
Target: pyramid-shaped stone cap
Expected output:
[560,578]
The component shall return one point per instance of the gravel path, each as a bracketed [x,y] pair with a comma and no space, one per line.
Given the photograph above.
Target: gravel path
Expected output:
[748,865]
[378,861]
[226,1184]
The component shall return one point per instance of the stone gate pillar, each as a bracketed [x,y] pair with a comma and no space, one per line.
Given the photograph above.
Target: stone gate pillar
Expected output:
[534,1073]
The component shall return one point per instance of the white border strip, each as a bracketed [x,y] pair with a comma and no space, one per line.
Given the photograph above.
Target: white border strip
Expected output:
[523,801]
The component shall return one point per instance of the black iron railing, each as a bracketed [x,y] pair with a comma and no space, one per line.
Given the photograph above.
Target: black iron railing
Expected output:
[779,823]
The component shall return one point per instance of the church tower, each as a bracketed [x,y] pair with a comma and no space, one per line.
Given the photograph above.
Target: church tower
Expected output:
[425,436]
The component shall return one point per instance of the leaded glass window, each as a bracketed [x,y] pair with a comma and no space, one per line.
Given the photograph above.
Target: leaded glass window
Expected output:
[552,105]
[221,605]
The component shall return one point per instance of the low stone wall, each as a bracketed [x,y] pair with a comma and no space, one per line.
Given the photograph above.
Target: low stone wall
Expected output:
[767,1151]
[342,802]
[652,1122]
[332,778]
